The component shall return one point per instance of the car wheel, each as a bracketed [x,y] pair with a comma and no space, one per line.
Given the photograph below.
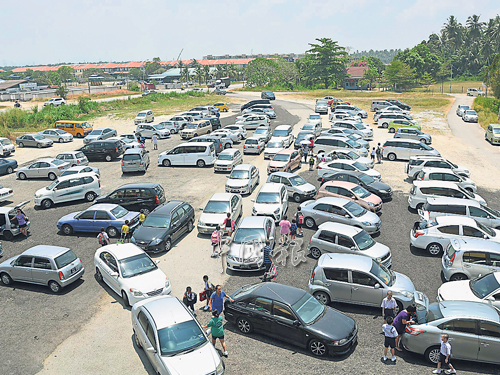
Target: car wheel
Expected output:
[392,156]
[21,145]
[112,232]
[146,211]
[125,299]
[67,229]
[190,226]
[78,135]
[318,348]
[108,157]
[39,145]
[98,275]
[8,235]
[244,325]
[168,245]
[6,279]
[54,287]
[392,130]
[309,222]
[458,277]
[22,176]
[399,306]
[52,176]
[47,203]
[166,163]
[423,140]
[385,125]
[315,252]
[10,170]
[322,297]
[61,140]
[90,196]
[137,342]
[227,145]
[434,249]
[432,354]
[419,206]
[200,164]
[297,198]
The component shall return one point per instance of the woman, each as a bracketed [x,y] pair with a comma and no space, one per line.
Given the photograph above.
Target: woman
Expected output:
[22,220]
[400,322]
[228,225]
[217,326]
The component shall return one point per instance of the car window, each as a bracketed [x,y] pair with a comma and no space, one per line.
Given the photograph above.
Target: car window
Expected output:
[472,232]
[345,241]
[489,329]
[262,305]
[475,258]
[336,275]
[132,193]
[175,218]
[187,208]
[275,178]
[460,325]
[495,262]
[101,215]
[449,229]
[42,263]
[322,207]
[332,189]
[23,261]
[327,236]
[143,320]
[117,194]
[87,215]
[109,260]
[363,279]
[477,212]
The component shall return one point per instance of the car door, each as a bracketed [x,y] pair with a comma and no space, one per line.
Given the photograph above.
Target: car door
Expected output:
[150,341]
[21,270]
[175,226]
[283,326]
[236,207]
[476,263]
[345,244]
[41,272]
[321,213]
[43,169]
[259,312]
[295,160]
[489,342]
[84,222]
[366,289]
[285,181]
[326,241]
[462,337]
[109,270]
[62,191]
[32,171]
[340,215]
[338,284]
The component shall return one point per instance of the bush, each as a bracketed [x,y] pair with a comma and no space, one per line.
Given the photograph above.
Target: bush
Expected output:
[487,110]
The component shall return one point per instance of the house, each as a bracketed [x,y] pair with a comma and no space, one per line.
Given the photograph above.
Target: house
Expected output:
[354,76]
[12,85]
[174,74]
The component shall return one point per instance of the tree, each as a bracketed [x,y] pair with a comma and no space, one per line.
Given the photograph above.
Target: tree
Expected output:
[185,73]
[89,72]
[426,80]
[271,72]
[206,72]
[65,73]
[327,62]
[62,91]
[453,32]
[370,76]
[135,74]
[474,27]
[493,74]
[399,75]
[151,66]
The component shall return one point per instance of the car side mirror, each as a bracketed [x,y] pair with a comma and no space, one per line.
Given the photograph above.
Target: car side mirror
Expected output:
[353,248]
[151,350]
[253,200]
[157,261]
[296,323]
[485,237]
[114,274]
[200,208]
[347,215]
[208,331]
[377,286]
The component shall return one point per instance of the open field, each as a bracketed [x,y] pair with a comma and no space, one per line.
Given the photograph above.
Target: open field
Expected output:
[106,94]
[457,87]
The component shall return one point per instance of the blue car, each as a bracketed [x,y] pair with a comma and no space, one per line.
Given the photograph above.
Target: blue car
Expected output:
[7,166]
[111,217]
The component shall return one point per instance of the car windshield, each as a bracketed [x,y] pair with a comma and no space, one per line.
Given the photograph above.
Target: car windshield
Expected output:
[466,192]
[54,183]
[126,140]
[308,308]
[179,338]
[315,117]
[244,235]
[280,133]
[66,173]
[491,211]
[302,136]
[363,240]
[96,132]
[216,207]
[65,259]
[159,127]
[6,142]
[274,145]
[353,143]
[245,290]
[297,181]
[239,175]
[119,212]
[128,157]
[251,142]
[382,273]
[470,113]
[496,130]
[361,192]
[281,157]
[464,107]
[485,229]
[353,155]
[355,209]
[223,156]
[136,265]
[191,126]
[259,131]
[156,221]
[308,127]
[359,126]
[264,197]
[141,114]
[85,125]
[366,179]
[434,312]
[484,286]
[360,166]
[38,137]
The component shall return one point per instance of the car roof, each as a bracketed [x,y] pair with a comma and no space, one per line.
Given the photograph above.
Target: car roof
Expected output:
[133,151]
[146,110]
[436,183]
[283,174]
[69,152]
[221,197]
[71,176]
[333,200]
[344,161]
[167,207]
[475,244]
[139,185]
[426,157]
[253,222]
[279,292]
[197,144]
[455,220]
[282,127]
[167,311]
[286,152]
[469,309]
[271,187]
[403,140]
[254,137]
[230,151]
[348,230]
[447,200]
[122,251]
[101,206]
[345,261]
[46,250]
[344,184]
[243,167]
[77,168]
[47,160]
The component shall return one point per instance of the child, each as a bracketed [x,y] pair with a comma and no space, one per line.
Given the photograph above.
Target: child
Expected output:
[189,299]
[311,163]
[299,218]
[390,334]
[103,238]
[373,154]
[217,330]
[142,217]
[208,289]
[215,239]
[293,231]
[444,356]
[124,232]
[228,225]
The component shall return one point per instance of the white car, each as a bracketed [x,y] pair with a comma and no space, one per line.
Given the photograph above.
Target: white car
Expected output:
[126,142]
[227,160]
[55,102]
[130,273]
[315,118]
[272,201]
[130,136]
[274,146]
[148,130]
[284,133]
[313,127]
[417,163]
[346,165]
[253,122]
[470,116]
[5,193]
[233,136]
[243,179]
[238,129]
[81,169]
[347,155]
[172,338]
[438,174]
[216,210]
[475,92]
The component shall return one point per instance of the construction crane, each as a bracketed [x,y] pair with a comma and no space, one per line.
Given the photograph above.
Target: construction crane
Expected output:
[180,53]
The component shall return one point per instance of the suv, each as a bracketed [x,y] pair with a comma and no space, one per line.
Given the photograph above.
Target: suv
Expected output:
[135,197]
[196,128]
[135,160]
[253,122]
[492,134]
[55,102]
[386,117]
[147,131]
[321,106]
[107,150]
[475,92]
[215,121]
[378,105]
[404,149]
[417,163]
[144,116]
[267,95]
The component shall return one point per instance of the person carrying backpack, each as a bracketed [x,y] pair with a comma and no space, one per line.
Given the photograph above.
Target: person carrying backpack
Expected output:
[379,154]
[311,163]
[103,238]
[228,225]
[216,239]
[299,219]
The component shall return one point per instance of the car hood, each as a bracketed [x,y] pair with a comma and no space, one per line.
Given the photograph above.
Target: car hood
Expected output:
[237,183]
[149,234]
[266,208]
[403,282]
[45,140]
[202,361]
[368,216]
[69,217]
[333,325]
[92,136]
[457,290]
[480,199]
[223,162]
[277,164]
[6,263]
[147,282]
[376,251]
[372,173]
[245,250]
[364,161]
[306,187]
[377,185]
[212,218]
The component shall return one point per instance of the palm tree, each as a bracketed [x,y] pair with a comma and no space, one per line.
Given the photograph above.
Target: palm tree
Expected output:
[206,72]
[474,27]
[185,74]
[452,31]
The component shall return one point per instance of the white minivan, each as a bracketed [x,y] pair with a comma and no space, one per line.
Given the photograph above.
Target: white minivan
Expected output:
[284,133]
[198,153]
[69,188]
[271,201]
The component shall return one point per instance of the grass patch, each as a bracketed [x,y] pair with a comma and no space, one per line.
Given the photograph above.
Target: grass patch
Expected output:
[487,110]
[104,94]
[457,87]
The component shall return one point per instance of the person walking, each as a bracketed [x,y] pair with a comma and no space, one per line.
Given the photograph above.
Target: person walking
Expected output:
[379,154]
[217,326]
[299,218]
[103,238]
[293,231]
[217,299]
[228,225]
[142,217]
[400,322]
[124,232]
[390,334]
[154,141]
[189,299]
[305,152]
[388,306]
[311,146]
[444,356]
[284,230]
[372,154]
[216,241]
[268,260]
[22,221]
[208,289]
[311,163]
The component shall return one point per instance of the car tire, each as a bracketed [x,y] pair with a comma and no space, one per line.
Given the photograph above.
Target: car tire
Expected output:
[52,176]
[315,252]
[458,277]
[39,145]
[67,229]
[61,140]
[54,287]
[244,325]
[108,157]
[190,226]
[392,130]
[146,211]
[200,163]
[399,306]
[166,163]
[136,340]
[90,196]
[21,145]
[78,135]
[112,232]
[98,275]
[10,170]
[309,223]
[167,246]
[318,348]
[385,125]
[419,206]
[47,203]
[22,176]
[392,156]
[322,297]
[227,145]
[7,234]
[434,249]
[6,279]
[126,302]
[432,354]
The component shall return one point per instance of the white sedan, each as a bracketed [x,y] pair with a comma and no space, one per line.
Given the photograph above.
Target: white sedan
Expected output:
[238,129]
[346,165]
[130,272]
[5,193]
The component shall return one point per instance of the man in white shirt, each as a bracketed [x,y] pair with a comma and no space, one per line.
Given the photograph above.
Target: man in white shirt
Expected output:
[389,305]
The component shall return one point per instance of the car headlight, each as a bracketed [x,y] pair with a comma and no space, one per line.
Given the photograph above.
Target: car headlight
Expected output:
[167,283]
[254,211]
[384,191]
[277,211]
[406,293]
[38,195]
[371,204]
[135,292]
[340,342]
[230,257]
[379,259]
[201,223]
[367,223]
[155,242]
[220,369]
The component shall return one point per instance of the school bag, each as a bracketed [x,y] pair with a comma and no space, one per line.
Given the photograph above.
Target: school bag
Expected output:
[102,239]
[301,218]
[215,238]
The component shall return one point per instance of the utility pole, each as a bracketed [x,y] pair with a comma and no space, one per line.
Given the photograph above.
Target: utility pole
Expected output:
[487,84]
[451,75]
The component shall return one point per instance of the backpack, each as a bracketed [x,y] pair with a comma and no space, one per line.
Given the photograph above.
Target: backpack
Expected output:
[215,237]
[102,239]
[301,218]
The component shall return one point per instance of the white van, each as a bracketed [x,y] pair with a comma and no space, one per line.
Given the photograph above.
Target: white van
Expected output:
[284,133]
[198,153]
[6,147]
[69,188]
[144,116]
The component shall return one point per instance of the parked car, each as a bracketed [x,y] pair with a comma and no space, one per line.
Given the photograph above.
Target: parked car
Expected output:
[226,133]
[200,154]
[358,126]
[351,191]
[81,169]
[223,107]
[129,136]
[272,201]
[148,92]
[383,119]
[339,210]
[238,129]
[267,95]
[103,150]
[346,165]
[5,194]
[274,146]
[127,143]
[135,160]
[361,112]
[136,196]
[9,227]
[189,351]
[461,108]
[397,124]
[227,160]
[196,128]
[56,135]
[391,109]
[470,116]
[6,147]
[419,162]
[438,174]
[434,235]
[284,133]
[297,188]
[353,137]
[410,133]
[378,105]
[7,166]
[347,155]
[100,134]
[144,116]
[492,134]
[130,272]
[182,121]
[315,118]
[303,138]
[321,106]
[400,104]
[284,161]
[148,130]
[376,187]
[54,102]
[253,122]
[33,140]
[243,179]
[216,210]
[422,190]
[399,149]
[475,92]
[471,326]
[173,127]
[43,168]
[263,132]
[326,144]
[214,121]
[253,102]
[74,158]
[53,266]
[314,128]
[254,145]
[164,226]
[292,315]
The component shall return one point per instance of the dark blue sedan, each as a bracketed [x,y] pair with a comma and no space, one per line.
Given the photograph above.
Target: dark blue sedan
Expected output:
[7,166]
[111,217]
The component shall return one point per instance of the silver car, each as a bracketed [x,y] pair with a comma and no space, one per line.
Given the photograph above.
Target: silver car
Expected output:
[412,133]
[243,179]
[358,279]
[473,329]
[470,116]
[438,174]
[56,135]
[297,188]
[43,168]
[254,145]
[262,132]
[341,211]
[461,109]
[135,160]
[100,134]
[81,169]
[148,130]
[417,163]
[173,127]
[321,106]
[53,266]
[216,210]
[404,149]
[33,140]
[74,158]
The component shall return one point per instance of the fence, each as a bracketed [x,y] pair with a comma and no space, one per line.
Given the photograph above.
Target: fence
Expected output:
[25,96]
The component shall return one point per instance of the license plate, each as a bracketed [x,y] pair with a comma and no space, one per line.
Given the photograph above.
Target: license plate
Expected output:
[73,271]
[244,266]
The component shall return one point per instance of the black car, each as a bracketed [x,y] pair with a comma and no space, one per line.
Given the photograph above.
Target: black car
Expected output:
[164,226]
[102,150]
[267,95]
[400,104]
[291,315]
[253,102]
[135,197]
[384,191]
[215,121]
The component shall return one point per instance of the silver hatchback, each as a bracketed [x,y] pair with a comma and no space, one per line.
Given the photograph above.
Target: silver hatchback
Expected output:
[412,133]
[53,266]
[135,160]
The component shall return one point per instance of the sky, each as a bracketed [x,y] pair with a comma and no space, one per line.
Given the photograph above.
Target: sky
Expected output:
[37,32]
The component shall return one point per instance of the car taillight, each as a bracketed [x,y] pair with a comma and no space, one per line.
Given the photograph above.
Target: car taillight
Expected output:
[81,262]
[310,240]
[99,181]
[157,200]
[243,146]
[77,161]
[11,191]
[257,146]
[122,164]
[220,145]
[319,167]
[414,331]
[116,149]
[61,276]
[416,234]
[450,262]
[313,274]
